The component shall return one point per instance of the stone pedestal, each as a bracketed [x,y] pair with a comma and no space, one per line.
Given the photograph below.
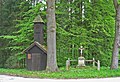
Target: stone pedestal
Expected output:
[81,62]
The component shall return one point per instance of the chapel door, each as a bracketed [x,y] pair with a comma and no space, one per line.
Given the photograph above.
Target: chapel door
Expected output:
[36,60]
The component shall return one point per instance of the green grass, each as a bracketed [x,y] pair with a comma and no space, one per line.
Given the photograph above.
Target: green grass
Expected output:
[87,72]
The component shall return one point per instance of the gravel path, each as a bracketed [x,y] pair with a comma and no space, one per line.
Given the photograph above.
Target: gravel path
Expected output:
[5,78]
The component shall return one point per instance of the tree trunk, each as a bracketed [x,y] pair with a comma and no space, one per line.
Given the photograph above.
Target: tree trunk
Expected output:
[51,37]
[115,54]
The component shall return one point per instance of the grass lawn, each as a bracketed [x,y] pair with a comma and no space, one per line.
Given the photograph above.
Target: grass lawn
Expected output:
[87,72]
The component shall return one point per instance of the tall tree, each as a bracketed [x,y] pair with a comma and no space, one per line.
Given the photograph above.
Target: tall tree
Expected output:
[114,63]
[51,37]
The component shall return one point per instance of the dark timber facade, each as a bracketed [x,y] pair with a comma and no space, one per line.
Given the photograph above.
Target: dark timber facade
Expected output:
[36,57]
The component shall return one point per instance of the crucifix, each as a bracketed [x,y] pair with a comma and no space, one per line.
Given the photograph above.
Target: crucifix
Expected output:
[81,50]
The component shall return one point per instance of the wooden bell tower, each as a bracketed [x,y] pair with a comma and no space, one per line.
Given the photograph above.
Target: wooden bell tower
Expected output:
[38,29]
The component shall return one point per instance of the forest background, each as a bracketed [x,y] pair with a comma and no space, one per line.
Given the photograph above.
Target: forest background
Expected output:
[89,23]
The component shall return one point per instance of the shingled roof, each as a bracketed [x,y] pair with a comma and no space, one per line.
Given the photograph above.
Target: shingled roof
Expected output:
[35,44]
[38,19]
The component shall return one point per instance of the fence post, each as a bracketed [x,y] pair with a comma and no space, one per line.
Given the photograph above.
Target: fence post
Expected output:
[98,65]
[68,64]
[93,62]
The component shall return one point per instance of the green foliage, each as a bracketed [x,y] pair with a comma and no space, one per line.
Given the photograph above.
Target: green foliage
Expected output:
[23,37]
[93,29]
[11,62]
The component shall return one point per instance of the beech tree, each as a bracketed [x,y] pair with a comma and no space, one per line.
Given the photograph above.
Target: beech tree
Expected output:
[51,37]
[114,63]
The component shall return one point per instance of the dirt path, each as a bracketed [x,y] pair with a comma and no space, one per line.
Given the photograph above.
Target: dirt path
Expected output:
[5,78]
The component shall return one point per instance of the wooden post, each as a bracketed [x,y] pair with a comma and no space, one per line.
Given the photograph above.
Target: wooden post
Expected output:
[98,65]
[68,64]
[93,62]
[73,51]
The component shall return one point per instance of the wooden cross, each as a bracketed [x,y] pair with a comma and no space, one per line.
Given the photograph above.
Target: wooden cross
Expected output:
[81,50]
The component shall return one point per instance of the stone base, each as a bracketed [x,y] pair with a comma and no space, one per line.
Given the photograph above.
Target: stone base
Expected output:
[81,62]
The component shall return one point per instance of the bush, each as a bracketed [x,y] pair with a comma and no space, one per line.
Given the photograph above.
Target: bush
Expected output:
[11,62]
